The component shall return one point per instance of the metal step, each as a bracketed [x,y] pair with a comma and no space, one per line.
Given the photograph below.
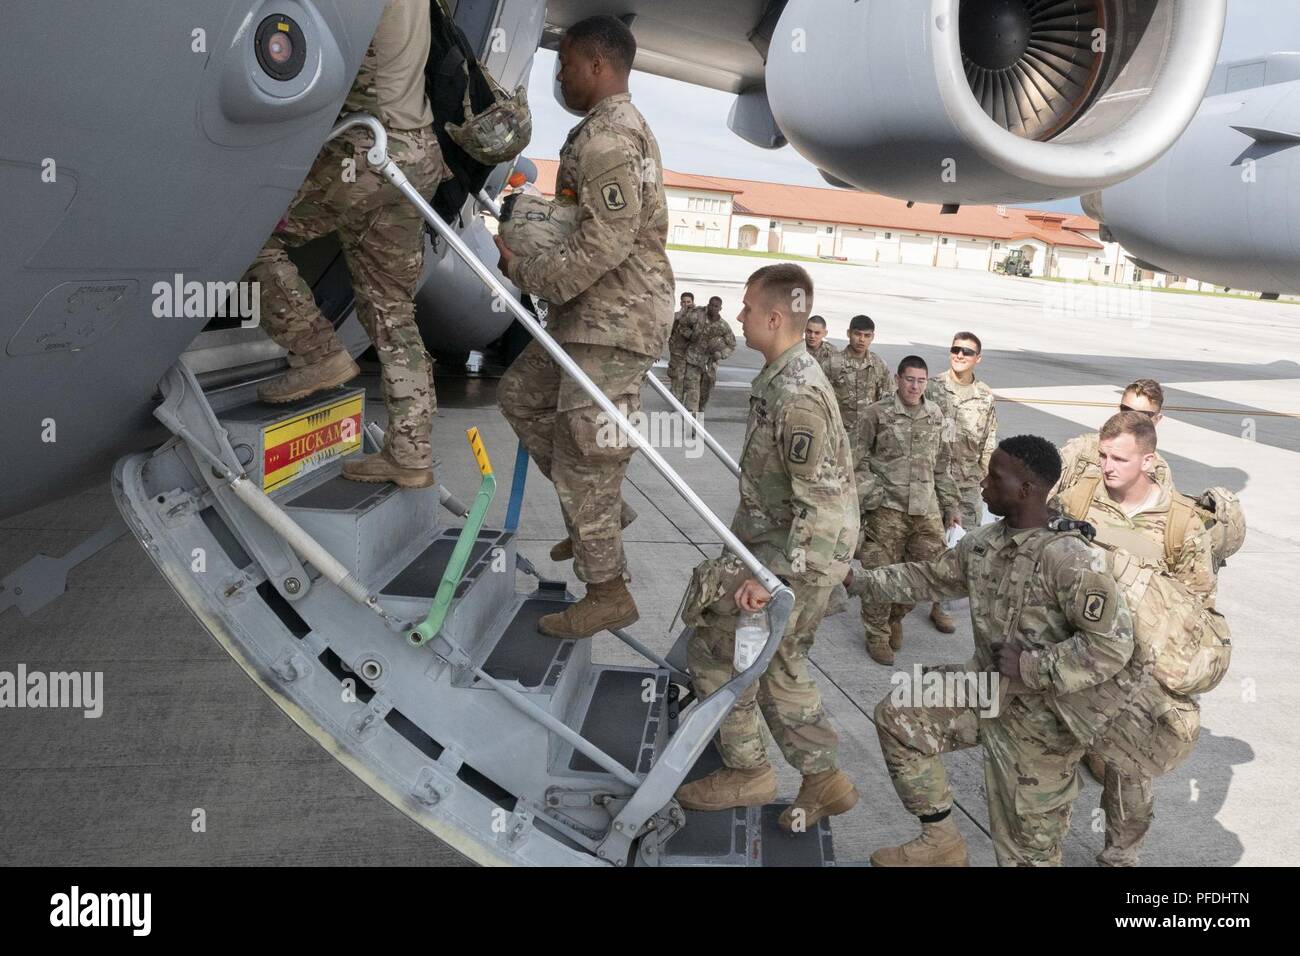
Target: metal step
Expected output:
[744,836]
[623,711]
[486,588]
[370,528]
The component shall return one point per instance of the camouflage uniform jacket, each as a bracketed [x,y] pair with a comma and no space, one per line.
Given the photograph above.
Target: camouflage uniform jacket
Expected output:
[390,82]
[975,421]
[1080,458]
[683,319]
[1143,536]
[822,353]
[1074,624]
[708,341]
[610,283]
[858,383]
[798,507]
[903,459]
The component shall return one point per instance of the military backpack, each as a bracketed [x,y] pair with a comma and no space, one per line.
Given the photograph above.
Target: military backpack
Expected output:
[1131,719]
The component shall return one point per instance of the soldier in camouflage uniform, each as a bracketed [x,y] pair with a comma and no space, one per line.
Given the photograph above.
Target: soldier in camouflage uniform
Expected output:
[1072,630]
[710,341]
[975,425]
[859,377]
[1132,511]
[902,471]
[974,436]
[610,289]
[677,344]
[1079,457]
[814,337]
[382,236]
[798,514]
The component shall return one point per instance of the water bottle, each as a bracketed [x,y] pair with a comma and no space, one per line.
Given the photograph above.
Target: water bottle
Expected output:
[751,635]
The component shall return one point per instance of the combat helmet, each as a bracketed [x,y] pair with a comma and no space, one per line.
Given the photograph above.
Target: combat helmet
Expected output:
[531,224]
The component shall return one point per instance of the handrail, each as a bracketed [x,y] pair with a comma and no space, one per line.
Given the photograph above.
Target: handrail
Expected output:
[707,715]
[666,394]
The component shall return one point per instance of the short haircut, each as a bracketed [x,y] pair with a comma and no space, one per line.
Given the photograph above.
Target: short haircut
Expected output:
[786,285]
[913,361]
[861,323]
[1131,423]
[608,36]
[816,320]
[1149,389]
[691,294]
[969,337]
[1038,455]
[715,298]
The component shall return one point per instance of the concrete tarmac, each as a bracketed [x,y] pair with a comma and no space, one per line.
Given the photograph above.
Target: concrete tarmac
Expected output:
[185,737]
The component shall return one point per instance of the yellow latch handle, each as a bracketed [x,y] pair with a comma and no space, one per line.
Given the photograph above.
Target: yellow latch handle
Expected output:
[480,453]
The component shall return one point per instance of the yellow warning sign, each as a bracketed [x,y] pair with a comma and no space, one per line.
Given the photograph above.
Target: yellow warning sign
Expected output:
[299,445]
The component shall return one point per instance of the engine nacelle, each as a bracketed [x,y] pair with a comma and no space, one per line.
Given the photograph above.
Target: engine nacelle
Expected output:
[983,101]
[1222,205]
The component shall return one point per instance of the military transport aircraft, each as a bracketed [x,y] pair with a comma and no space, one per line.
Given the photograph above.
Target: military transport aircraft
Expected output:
[156,148]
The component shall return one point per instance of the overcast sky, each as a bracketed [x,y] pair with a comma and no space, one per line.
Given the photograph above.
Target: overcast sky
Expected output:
[690,122]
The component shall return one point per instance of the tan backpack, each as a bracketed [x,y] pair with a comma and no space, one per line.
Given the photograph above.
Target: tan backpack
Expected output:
[1132,720]
[1190,644]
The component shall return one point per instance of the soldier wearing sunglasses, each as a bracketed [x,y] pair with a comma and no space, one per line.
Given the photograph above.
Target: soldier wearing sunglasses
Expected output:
[973,435]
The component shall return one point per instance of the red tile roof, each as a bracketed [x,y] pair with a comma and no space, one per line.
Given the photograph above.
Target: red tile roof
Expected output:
[853,208]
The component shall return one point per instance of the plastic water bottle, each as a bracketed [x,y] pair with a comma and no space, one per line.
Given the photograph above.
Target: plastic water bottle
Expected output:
[751,635]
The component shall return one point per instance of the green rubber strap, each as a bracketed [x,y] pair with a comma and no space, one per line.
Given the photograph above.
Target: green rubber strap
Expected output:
[487,490]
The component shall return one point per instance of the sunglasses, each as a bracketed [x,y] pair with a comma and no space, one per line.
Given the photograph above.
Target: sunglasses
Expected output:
[1140,411]
[962,350]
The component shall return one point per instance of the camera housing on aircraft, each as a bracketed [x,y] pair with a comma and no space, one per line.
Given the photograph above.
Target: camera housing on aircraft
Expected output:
[983,101]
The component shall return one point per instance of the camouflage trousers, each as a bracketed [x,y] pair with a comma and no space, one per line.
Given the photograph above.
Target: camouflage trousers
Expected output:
[1129,803]
[382,237]
[676,374]
[697,386]
[971,502]
[785,693]
[1030,770]
[576,447]
[891,536]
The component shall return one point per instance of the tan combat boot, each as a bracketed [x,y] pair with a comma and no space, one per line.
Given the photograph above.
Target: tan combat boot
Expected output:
[941,619]
[822,794]
[938,845]
[727,788]
[604,607]
[881,652]
[303,380]
[379,468]
[896,635]
[564,550]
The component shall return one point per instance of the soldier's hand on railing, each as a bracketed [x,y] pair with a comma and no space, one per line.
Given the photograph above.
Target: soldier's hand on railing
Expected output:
[752,596]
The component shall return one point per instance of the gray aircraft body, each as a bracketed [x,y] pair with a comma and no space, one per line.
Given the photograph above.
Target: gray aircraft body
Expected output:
[1222,204]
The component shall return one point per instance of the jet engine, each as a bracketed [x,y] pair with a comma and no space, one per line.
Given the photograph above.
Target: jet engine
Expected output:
[984,101]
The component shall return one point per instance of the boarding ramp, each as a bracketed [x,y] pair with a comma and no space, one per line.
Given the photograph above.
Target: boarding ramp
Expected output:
[389,624]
